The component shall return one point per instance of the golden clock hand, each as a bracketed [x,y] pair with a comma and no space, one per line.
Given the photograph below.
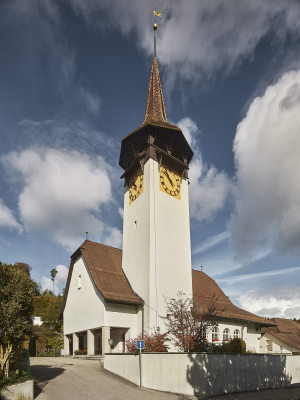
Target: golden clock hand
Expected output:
[167,175]
[134,185]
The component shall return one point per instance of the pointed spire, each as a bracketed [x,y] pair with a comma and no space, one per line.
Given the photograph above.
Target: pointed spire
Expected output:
[155,108]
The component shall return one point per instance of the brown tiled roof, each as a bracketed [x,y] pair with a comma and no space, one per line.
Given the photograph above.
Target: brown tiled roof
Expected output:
[206,290]
[283,326]
[155,108]
[105,266]
[291,339]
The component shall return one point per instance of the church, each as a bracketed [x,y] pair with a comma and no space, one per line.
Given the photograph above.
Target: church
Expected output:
[113,295]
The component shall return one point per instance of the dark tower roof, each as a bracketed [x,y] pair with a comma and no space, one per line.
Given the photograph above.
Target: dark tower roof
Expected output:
[155,131]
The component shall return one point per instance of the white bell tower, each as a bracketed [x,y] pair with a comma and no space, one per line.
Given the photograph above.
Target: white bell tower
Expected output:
[156,231]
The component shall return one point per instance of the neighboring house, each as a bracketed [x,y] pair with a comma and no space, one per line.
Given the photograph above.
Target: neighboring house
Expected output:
[283,338]
[37,321]
[114,294]
[233,321]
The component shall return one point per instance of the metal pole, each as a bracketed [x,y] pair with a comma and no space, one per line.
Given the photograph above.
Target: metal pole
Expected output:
[140,367]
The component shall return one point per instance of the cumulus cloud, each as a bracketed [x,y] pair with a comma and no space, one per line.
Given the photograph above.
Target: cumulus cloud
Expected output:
[7,219]
[266,149]
[282,302]
[60,279]
[209,188]
[62,194]
[195,39]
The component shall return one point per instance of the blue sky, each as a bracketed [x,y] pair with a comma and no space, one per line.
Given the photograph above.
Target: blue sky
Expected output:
[74,78]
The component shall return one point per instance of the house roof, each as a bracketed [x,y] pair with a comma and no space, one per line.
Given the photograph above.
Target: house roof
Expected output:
[206,290]
[105,266]
[291,339]
[283,326]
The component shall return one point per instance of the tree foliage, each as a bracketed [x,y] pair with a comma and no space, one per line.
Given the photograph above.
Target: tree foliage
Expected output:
[188,322]
[155,342]
[16,298]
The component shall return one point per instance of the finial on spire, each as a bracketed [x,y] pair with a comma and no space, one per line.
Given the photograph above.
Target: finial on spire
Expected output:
[157,14]
[86,235]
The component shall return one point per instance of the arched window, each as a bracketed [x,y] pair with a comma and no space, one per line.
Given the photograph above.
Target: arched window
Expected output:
[215,334]
[226,334]
[236,333]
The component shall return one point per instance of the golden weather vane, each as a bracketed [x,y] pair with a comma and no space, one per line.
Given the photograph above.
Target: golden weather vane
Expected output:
[157,14]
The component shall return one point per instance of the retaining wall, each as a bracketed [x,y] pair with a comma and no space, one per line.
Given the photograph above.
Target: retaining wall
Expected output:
[21,391]
[207,374]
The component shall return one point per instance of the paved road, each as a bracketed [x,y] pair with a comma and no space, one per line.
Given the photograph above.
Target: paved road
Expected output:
[73,379]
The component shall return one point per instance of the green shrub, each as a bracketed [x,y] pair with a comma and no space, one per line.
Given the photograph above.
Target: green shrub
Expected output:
[236,345]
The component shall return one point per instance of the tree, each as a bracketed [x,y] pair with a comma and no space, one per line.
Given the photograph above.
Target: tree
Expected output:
[189,322]
[53,275]
[16,297]
[49,335]
[156,342]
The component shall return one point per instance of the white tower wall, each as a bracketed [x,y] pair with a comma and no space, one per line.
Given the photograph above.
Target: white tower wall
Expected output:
[156,245]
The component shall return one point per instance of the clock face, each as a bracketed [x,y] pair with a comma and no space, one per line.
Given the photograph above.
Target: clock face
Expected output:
[170,182]
[136,186]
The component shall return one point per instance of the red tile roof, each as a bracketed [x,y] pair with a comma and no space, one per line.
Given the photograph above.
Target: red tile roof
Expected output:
[206,290]
[291,339]
[105,266]
[283,326]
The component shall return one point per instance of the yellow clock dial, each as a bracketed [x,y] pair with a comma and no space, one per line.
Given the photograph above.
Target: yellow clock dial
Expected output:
[170,182]
[136,186]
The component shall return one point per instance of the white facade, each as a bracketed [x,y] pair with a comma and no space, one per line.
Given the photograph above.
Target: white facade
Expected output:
[87,314]
[271,345]
[156,245]
[250,333]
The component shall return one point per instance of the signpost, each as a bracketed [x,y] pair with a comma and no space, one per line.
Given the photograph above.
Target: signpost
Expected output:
[140,344]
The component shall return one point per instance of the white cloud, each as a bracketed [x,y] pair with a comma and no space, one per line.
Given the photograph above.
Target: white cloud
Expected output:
[63,193]
[210,242]
[62,274]
[48,284]
[282,302]
[190,130]
[92,101]
[7,219]
[266,147]
[195,39]
[222,261]
[259,275]
[60,279]
[113,237]
[209,188]
[121,212]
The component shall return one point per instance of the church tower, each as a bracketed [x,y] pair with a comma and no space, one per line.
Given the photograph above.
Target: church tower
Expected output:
[156,232]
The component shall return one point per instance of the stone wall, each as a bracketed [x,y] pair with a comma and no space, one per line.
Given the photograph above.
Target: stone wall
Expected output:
[207,374]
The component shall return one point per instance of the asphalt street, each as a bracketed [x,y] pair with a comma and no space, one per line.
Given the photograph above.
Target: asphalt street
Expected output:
[75,379]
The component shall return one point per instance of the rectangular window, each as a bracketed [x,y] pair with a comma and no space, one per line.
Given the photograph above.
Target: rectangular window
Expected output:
[79,281]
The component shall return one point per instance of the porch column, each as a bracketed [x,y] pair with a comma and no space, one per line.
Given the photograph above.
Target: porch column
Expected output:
[105,337]
[90,342]
[66,346]
[75,342]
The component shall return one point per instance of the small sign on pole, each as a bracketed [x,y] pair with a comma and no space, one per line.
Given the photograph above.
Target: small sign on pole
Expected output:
[140,344]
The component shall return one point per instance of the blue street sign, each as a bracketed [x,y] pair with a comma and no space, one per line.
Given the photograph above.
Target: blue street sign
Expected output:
[140,344]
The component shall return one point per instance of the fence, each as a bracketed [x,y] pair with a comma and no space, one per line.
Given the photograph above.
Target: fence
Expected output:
[24,363]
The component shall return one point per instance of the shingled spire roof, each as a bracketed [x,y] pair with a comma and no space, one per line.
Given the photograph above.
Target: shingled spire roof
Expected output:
[155,108]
